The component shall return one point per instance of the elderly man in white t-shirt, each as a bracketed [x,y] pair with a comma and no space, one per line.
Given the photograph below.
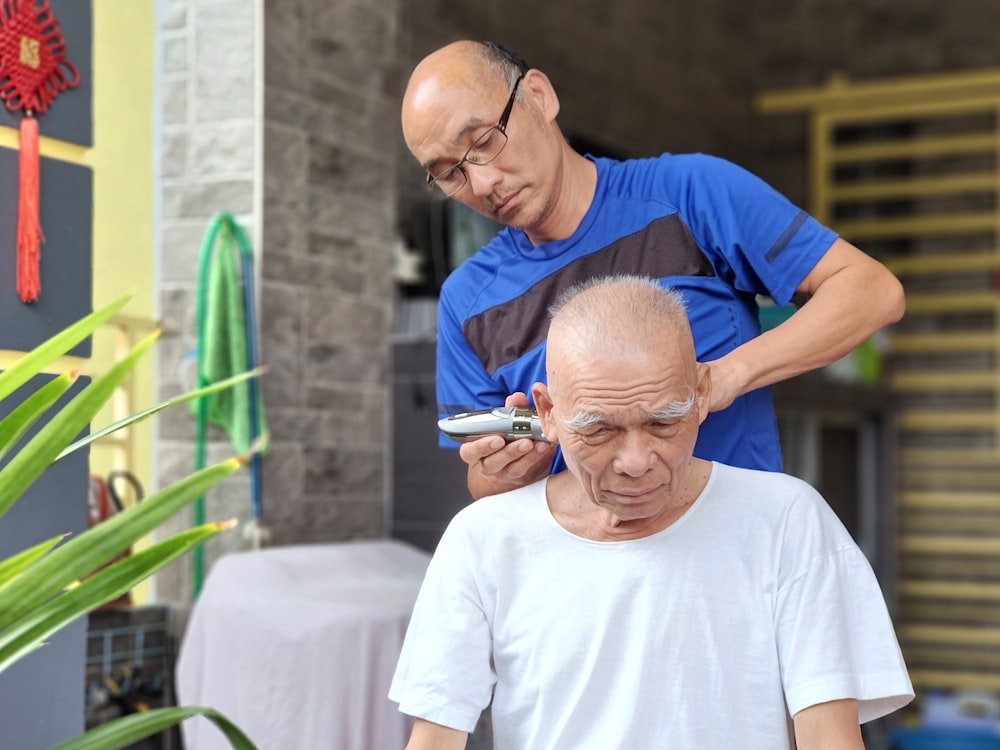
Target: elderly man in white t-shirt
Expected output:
[645,598]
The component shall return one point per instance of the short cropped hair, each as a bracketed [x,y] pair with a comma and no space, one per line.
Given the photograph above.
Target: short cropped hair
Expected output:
[504,62]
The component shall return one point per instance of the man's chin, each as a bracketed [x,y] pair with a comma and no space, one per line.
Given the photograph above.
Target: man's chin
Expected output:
[631,511]
[506,212]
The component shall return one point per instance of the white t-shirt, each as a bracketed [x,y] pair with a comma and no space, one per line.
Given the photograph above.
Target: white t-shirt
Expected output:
[710,634]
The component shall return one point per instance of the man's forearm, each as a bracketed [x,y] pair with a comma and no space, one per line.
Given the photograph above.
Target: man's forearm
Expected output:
[829,726]
[427,735]
[850,297]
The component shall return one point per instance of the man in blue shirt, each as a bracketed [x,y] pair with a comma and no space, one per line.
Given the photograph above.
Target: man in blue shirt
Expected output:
[483,126]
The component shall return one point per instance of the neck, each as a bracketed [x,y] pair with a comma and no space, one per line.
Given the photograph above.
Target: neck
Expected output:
[578,514]
[574,192]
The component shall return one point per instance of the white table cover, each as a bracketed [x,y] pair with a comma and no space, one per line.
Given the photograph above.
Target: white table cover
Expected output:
[298,645]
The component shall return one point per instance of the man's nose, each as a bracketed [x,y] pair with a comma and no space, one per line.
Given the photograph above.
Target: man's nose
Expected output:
[482,178]
[634,456]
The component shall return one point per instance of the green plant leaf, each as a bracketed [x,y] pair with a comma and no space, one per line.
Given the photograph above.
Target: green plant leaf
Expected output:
[85,553]
[139,416]
[27,633]
[12,566]
[123,732]
[40,588]
[32,363]
[15,424]
[25,467]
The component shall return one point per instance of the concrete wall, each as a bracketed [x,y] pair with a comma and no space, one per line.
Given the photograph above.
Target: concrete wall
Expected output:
[96,211]
[798,43]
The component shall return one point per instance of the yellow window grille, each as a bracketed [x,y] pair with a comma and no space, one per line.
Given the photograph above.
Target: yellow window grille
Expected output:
[909,171]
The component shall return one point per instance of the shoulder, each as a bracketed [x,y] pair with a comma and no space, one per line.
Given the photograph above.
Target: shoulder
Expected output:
[695,163]
[782,514]
[759,483]
[489,535]
[492,516]
[787,500]
[671,173]
[708,172]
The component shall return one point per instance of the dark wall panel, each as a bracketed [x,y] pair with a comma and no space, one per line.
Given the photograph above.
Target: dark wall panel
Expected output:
[42,695]
[429,482]
[66,263]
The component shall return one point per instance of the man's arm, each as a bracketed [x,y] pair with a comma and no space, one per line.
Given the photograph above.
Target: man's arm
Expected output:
[429,736]
[828,726]
[851,295]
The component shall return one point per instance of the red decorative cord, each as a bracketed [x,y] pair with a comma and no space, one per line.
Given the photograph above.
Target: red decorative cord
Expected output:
[33,70]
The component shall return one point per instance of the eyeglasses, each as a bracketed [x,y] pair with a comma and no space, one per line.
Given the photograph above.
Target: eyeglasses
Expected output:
[486,148]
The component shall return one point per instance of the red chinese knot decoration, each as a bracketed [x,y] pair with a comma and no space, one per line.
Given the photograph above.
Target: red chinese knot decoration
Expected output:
[33,70]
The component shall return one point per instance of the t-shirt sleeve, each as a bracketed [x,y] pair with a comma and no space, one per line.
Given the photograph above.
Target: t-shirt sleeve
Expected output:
[461,381]
[834,633]
[761,241]
[445,673]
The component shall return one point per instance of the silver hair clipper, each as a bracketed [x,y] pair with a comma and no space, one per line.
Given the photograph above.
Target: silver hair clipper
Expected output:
[510,422]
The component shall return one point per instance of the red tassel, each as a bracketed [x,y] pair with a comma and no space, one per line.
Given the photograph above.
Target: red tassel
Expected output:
[29,230]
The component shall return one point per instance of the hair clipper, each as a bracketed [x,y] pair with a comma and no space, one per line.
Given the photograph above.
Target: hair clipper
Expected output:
[510,422]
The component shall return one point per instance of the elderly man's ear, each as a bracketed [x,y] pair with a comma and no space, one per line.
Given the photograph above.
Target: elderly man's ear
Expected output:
[543,405]
[703,390]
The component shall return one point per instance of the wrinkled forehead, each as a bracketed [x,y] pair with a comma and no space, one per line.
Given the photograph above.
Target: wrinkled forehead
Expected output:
[617,374]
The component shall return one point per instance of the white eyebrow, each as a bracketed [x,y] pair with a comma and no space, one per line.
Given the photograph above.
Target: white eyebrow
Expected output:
[674,410]
[584,419]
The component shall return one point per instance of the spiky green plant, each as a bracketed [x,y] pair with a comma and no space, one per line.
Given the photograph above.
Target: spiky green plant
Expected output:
[51,584]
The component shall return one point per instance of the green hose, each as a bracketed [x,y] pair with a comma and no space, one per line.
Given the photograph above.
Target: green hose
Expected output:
[224,231]
[217,225]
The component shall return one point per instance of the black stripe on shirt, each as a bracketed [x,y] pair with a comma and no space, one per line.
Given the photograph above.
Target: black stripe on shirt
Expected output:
[504,333]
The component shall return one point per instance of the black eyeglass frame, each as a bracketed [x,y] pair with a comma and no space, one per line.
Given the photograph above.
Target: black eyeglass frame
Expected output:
[501,127]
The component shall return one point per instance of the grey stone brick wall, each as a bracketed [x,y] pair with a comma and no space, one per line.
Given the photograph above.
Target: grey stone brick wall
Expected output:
[279,112]
[328,226]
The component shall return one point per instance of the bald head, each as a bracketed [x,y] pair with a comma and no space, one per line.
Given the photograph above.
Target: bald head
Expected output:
[465,66]
[619,316]
[465,62]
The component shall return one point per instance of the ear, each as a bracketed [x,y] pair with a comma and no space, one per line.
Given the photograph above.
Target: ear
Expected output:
[703,390]
[543,405]
[542,93]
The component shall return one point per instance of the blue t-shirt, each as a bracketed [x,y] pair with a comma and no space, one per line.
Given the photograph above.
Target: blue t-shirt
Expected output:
[701,225]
